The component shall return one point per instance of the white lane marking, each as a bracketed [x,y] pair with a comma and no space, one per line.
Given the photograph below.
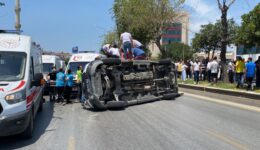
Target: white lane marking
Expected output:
[233,104]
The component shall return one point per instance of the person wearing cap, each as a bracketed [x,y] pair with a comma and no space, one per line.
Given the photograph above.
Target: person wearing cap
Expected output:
[250,72]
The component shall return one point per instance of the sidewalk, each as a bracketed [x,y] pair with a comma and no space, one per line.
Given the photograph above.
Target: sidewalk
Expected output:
[221,88]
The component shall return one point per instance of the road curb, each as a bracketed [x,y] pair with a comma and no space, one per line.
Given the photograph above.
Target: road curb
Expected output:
[244,94]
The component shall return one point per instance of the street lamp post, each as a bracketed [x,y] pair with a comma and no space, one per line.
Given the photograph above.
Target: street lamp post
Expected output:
[17,15]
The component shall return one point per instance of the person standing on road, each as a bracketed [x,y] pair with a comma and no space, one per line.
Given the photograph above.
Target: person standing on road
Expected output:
[79,81]
[51,79]
[68,87]
[127,43]
[239,70]
[257,63]
[214,67]
[60,82]
[196,70]
[250,72]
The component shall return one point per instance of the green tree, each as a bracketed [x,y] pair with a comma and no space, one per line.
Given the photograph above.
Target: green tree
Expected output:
[110,37]
[209,37]
[177,51]
[224,7]
[249,32]
[144,19]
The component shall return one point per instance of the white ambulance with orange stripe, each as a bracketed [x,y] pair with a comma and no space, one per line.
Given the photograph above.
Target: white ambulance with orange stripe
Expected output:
[21,83]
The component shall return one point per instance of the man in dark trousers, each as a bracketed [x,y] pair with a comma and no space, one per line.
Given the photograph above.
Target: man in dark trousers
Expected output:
[60,82]
[51,83]
[257,63]
[69,84]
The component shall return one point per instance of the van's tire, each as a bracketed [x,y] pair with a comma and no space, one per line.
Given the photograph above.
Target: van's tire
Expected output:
[165,62]
[111,61]
[28,133]
[41,105]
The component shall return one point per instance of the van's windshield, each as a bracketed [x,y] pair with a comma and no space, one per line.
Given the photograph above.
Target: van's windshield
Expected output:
[73,66]
[47,67]
[12,66]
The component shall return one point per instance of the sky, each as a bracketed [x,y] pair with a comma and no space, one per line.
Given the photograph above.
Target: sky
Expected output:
[59,25]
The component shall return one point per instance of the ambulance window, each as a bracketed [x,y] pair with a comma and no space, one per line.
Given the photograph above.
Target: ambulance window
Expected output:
[32,69]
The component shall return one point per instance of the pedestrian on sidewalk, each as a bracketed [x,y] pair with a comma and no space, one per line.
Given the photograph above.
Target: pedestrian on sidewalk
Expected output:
[196,70]
[184,74]
[214,67]
[127,43]
[240,65]
[231,69]
[60,82]
[250,72]
[257,63]
[179,68]
[209,71]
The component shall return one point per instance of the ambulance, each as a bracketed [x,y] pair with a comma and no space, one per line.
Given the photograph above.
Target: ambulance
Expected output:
[81,59]
[49,61]
[21,84]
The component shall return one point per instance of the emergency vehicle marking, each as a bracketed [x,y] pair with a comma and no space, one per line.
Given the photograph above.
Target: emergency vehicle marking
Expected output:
[9,43]
[77,58]
[19,86]
[2,90]
[30,98]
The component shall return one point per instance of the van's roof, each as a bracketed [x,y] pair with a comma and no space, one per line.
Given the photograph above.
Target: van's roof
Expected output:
[49,58]
[14,42]
[84,57]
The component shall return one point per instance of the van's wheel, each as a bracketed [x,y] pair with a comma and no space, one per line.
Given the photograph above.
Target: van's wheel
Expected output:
[28,133]
[41,105]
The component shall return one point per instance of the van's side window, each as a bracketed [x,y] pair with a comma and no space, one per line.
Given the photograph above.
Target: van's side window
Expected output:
[31,70]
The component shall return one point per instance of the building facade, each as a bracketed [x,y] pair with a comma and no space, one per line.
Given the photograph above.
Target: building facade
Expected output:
[177,31]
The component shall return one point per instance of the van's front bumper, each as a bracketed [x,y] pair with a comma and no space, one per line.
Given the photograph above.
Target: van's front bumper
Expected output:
[14,124]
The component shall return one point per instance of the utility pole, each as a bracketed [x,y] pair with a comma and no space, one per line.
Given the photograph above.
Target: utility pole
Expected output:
[17,15]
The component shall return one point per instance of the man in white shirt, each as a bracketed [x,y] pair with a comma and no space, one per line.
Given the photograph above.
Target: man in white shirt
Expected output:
[214,69]
[137,44]
[127,43]
[114,52]
[196,70]
[209,71]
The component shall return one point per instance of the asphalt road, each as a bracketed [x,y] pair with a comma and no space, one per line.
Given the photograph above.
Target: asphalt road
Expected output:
[185,123]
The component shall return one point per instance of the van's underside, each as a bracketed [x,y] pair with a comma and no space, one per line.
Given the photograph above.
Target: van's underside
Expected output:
[110,83]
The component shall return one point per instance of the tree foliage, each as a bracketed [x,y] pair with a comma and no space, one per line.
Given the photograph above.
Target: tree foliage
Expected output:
[110,37]
[144,19]
[209,37]
[177,51]
[249,32]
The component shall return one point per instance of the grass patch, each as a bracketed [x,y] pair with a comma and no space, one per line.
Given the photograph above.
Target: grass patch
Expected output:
[220,84]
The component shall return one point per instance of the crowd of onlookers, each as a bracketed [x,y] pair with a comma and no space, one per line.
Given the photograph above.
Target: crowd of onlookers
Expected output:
[239,71]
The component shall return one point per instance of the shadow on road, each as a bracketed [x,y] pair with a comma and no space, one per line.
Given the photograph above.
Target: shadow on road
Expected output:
[41,123]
